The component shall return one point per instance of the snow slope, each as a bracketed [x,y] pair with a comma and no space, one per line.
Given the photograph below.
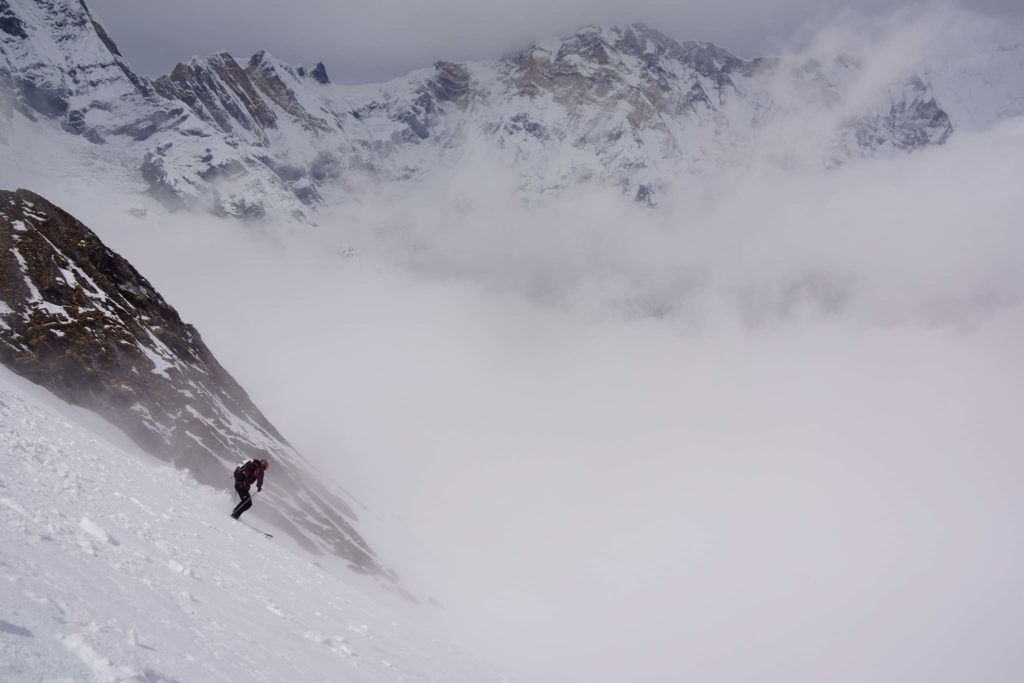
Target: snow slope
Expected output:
[116,568]
[83,323]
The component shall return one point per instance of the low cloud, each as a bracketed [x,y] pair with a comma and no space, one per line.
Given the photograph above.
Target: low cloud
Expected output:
[774,416]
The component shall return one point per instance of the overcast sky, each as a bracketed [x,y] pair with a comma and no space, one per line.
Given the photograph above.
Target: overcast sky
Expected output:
[372,41]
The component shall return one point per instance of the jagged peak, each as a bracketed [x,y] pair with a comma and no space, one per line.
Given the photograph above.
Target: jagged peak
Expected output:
[319,74]
[215,60]
[450,81]
[76,15]
[222,57]
[263,60]
[615,35]
[696,49]
[598,43]
[101,32]
[260,57]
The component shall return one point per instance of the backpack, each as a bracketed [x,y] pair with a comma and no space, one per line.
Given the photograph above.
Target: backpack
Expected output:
[245,471]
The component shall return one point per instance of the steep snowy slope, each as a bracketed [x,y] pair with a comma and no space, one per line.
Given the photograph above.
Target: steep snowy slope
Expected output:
[62,65]
[116,568]
[79,320]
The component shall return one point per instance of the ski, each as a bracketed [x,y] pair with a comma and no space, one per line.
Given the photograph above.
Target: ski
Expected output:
[248,525]
[259,530]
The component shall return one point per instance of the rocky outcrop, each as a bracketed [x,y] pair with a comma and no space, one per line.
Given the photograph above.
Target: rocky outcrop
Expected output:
[78,319]
[272,78]
[910,119]
[219,91]
[451,82]
[11,23]
[319,74]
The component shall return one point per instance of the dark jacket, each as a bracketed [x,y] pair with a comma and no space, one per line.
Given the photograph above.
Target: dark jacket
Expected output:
[248,473]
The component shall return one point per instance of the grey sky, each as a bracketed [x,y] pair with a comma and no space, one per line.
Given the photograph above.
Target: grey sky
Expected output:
[372,41]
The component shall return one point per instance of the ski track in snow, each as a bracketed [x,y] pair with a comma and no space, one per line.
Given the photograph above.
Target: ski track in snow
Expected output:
[114,567]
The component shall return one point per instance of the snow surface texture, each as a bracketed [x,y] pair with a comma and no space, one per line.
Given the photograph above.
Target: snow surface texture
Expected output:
[114,568]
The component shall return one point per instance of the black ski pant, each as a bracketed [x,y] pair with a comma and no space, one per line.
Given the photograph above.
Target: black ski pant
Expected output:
[243,492]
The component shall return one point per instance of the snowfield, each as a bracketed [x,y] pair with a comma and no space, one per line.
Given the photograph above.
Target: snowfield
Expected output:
[116,568]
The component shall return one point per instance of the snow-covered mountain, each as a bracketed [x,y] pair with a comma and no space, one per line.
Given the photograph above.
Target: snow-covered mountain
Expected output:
[622,106]
[118,568]
[78,319]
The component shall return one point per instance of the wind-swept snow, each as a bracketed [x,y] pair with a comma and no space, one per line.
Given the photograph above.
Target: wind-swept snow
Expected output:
[115,568]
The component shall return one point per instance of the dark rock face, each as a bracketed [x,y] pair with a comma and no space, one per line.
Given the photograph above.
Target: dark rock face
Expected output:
[251,105]
[44,99]
[218,90]
[644,195]
[9,21]
[145,127]
[912,121]
[416,119]
[108,42]
[230,168]
[307,193]
[264,75]
[319,74]
[449,89]
[522,123]
[451,84]
[78,319]
[154,172]
[86,324]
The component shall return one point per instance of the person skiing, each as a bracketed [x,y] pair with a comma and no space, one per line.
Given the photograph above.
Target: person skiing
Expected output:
[248,473]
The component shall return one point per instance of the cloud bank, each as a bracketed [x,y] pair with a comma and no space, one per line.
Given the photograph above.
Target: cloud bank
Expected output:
[767,430]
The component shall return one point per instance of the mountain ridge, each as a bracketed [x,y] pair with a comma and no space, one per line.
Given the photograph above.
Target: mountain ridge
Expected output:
[621,106]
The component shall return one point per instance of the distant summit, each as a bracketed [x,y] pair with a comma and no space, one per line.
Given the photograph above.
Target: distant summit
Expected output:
[319,74]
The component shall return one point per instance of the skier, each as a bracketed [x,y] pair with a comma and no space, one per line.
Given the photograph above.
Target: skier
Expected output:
[248,473]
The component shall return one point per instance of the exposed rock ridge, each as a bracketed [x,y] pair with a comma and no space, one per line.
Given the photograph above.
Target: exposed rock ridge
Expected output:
[79,320]
[219,91]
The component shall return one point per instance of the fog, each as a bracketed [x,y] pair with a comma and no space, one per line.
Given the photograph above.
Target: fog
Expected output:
[768,430]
